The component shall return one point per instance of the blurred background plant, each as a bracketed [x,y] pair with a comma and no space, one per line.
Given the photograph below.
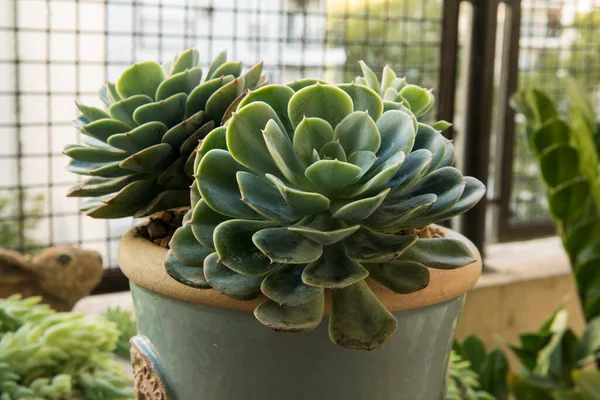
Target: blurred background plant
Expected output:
[127,326]
[11,226]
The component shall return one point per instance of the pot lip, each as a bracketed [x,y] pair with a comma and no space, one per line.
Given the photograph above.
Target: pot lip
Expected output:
[143,263]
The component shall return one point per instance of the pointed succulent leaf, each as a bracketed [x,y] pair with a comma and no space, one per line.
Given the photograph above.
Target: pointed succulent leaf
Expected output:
[559,163]
[138,139]
[392,105]
[321,101]
[397,134]
[300,318]
[219,60]
[102,129]
[134,193]
[182,82]
[364,99]
[141,78]
[92,113]
[151,159]
[174,176]
[358,132]
[332,176]
[94,154]
[553,131]
[245,137]
[315,156]
[233,284]
[204,221]
[415,166]
[191,143]
[357,210]
[370,77]
[163,201]
[187,60]
[358,319]
[185,248]
[233,68]
[563,199]
[430,139]
[447,184]
[419,99]
[285,286]
[301,201]
[170,111]
[217,182]
[216,139]
[377,178]
[302,83]
[370,246]
[276,96]
[334,270]
[364,160]
[400,214]
[123,109]
[263,197]
[332,151]
[178,134]
[282,152]
[441,125]
[387,77]
[390,94]
[253,76]
[439,253]
[233,106]
[99,186]
[449,155]
[103,169]
[285,246]
[323,230]
[310,134]
[402,277]
[474,191]
[189,276]
[199,96]
[218,103]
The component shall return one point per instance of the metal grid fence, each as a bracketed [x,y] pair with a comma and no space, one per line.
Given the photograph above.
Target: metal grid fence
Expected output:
[53,52]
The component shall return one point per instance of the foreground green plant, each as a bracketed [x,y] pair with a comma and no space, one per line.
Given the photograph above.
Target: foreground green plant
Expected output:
[127,326]
[50,355]
[138,155]
[312,187]
[463,382]
[567,152]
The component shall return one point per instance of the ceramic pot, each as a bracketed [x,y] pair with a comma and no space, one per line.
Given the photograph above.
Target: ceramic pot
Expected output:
[198,344]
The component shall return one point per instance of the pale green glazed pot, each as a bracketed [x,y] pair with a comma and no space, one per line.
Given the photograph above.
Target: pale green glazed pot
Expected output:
[199,345]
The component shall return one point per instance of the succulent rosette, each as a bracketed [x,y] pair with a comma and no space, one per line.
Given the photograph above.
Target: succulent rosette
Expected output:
[137,155]
[312,188]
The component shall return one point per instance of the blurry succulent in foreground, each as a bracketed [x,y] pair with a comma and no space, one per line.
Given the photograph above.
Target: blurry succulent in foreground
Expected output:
[312,187]
[463,382]
[127,326]
[138,156]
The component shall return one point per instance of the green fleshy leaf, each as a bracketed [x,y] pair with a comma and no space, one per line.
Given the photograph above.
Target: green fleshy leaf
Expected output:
[136,193]
[334,270]
[123,109]
[94,154]
[302,83]
[390,95]
[369,76]
[442,253]
[216,139]
[233,106]
[401,214]
[387,77]
[238,286]
[449,155]
[554,131]
[104,169]
[99,186]
[187,60]
[420,99]
[102,129]
[300,201]
[397,135]
[358,319]
[332,151]
[322,229]
[414,167]
[185,247]
[276,96]
[311,133]
[204,222]
[315,156]
[441,125]
[559,164]
[565,200]
[474,191]
[170,111]
[322,101]
[282,152]
[197,99]
[253,76]
[141,78]
[285,246]
[430,139]
[182,82]
[175,176]
[398,84]
[364,160]
[234,244]
[264,198]
[178,134]
[189,276]
[219,60]
[285,286]
[218,103]
[377,178]
[370,246]
[152,159]
[330,177]
[402,277]
[358,132]
[92,113]
[299,318]
[364,99]
[245,138]
[217,182]
[233,68]
[357,210]
[140,138]
[191,143]
[166,199]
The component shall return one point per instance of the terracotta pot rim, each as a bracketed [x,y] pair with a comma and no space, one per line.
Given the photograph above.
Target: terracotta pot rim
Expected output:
[143,263]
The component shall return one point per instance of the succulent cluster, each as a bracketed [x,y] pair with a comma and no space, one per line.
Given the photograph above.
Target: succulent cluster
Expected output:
[311,187]
[138,155]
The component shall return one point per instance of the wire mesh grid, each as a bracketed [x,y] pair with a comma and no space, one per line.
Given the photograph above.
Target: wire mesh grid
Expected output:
[558,38]
[55,52]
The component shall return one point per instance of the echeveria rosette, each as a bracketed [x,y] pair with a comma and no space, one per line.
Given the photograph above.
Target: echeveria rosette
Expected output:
[138,154]
[311,190]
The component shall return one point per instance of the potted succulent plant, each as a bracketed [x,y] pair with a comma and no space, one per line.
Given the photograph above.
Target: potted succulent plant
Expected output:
[309,201]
